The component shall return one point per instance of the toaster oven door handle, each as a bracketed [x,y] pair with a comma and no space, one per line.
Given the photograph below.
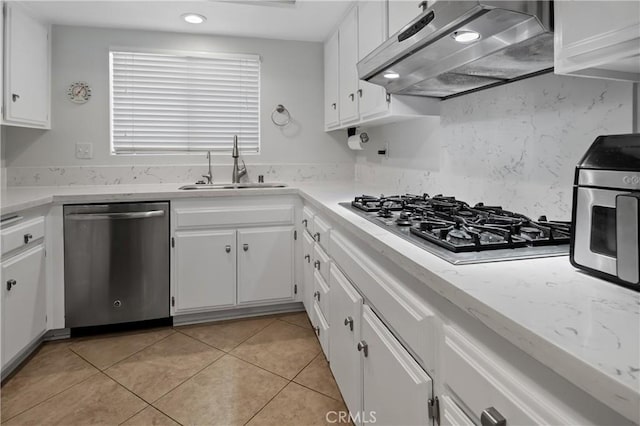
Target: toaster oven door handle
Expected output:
[627,237]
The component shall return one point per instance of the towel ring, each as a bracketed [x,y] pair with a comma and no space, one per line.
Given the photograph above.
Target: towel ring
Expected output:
[280,116]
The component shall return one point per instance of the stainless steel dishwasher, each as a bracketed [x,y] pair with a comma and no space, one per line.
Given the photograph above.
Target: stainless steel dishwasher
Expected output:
[116,263]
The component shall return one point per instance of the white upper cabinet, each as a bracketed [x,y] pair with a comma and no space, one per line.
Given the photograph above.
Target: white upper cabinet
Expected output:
[401,12]
[598,39]
[372,32]
[331,114]
[27,51]
[348,57]
[365,27]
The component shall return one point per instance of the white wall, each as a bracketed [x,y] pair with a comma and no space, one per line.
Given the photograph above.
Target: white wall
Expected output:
[291,72]
[515,145]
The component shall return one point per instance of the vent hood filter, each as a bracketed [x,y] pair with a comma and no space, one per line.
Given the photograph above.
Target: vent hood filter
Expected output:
[512,44]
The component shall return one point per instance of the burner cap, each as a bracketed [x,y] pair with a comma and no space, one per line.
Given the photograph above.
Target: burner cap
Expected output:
[531,232]
[459,236]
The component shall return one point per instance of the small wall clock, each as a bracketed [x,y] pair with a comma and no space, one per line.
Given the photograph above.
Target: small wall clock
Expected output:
[79,92]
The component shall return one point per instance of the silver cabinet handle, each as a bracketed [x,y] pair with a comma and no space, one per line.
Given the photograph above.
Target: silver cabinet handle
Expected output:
[333,105]
[27,238]
[316,295]
[349,321]
[15,97]
[10,284]
[423,5]
[305,222]
[492,417]
[317,329]
[316,236]
[363,347]
[227,249]
[360,92]
[127,215]
[245,247]
[352,96]
[307,258]
[316,264]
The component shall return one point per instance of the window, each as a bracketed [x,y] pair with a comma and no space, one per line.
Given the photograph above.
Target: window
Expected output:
[178,103]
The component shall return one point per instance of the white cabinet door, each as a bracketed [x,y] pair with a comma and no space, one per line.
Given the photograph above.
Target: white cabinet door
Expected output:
[401,12]
[597,39]
[395,387]
[23,301]
[205,269]
[348,54]
[307,271]
[331,71]
[372,32]
[26,97]
[345,312]
[265,264]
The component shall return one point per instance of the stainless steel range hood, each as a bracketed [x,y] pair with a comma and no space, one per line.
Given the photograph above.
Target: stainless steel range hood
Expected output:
[515,41]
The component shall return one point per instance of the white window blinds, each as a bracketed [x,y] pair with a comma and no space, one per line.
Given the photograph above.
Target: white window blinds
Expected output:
[164,103]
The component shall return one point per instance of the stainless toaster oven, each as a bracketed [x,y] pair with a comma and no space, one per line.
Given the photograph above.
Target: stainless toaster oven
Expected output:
[606,210]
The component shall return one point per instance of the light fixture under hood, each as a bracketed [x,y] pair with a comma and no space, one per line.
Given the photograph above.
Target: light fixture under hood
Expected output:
[460,46]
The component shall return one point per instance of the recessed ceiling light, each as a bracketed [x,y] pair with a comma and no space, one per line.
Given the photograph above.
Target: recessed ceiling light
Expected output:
[194,18]
[391,75]
[465,36]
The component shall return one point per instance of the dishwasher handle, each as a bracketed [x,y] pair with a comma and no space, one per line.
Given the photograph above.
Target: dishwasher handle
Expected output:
[123,215]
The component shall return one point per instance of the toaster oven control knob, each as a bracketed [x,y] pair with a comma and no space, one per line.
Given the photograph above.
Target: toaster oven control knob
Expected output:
[117,304]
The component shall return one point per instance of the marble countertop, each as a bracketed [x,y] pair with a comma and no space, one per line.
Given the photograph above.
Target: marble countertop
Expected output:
[585,329]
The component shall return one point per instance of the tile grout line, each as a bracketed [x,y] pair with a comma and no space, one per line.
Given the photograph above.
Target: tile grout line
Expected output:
[215,347]
[123,359]
[321,354]
[301,326]
[280,391]
[52,396]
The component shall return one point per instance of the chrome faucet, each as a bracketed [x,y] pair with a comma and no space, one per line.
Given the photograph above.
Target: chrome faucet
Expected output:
[237,172]
[209,175]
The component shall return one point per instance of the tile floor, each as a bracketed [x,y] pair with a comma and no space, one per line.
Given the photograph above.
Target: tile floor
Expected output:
[258,371]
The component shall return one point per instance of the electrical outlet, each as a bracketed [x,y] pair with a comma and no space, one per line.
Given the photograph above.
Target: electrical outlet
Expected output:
[84,150]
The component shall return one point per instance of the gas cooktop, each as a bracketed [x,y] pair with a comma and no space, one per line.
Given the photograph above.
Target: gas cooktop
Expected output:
[460,233]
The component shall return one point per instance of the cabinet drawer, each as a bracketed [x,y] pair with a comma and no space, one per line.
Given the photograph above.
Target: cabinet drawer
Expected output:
[411,320]
[321,262]
[321,232]
[321,328]
[307,219]
[225,216]
[480,382]
[320,292]
[22,234]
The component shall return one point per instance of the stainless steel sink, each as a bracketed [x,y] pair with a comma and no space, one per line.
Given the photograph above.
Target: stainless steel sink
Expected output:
[249,185]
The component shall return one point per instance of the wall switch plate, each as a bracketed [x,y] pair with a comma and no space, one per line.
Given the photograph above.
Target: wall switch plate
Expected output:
[84,150]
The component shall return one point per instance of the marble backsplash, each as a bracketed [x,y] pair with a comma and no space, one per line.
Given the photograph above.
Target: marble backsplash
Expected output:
[515,145]
[150,174]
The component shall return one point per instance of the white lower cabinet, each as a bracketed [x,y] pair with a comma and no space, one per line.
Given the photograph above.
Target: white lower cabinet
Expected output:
[396,390]
[205,268]
[23,301]
[307,271]
[451,414]
[321,328]
[265,264]
[345,314]
[231,253]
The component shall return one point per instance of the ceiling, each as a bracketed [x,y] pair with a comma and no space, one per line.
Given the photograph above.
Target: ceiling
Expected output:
[305,20]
